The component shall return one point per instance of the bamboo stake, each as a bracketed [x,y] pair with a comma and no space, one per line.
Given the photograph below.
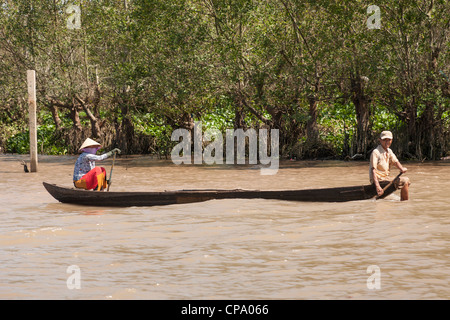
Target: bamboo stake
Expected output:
[31,80]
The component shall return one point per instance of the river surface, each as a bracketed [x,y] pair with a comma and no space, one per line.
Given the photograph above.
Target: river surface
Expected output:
[223,249]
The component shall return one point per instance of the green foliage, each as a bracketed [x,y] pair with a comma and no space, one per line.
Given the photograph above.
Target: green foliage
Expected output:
[338,122]
[47,140]
[221,119]
[384,119]
[163,63]
[150,124]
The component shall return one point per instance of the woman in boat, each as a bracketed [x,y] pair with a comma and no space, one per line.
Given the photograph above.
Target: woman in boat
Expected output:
[381,160]
[85,174]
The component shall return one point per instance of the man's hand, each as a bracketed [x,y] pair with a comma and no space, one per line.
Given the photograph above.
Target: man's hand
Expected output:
[379,190]
[400,167]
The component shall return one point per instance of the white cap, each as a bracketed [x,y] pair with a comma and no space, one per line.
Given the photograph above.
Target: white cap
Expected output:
[386,135]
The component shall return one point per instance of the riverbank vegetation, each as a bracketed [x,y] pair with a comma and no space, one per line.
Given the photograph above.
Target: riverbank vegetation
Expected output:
[329,74]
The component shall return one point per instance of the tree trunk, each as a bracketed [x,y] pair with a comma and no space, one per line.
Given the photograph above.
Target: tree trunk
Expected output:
[239,110]
[125,131]
[55,116]
[413,140]
[363,124]
[361,102]
[75,117]
[95,127]
[312,131]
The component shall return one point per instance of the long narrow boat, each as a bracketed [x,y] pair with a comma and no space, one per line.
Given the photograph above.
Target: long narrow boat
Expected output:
[129,199]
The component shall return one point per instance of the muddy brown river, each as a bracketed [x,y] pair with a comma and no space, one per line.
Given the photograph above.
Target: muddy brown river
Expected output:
[223,249]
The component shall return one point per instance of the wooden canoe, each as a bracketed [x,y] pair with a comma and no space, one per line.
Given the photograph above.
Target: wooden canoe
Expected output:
[130,199]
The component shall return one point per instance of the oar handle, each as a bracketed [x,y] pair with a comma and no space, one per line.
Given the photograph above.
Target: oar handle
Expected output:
[110,174]
[390,184]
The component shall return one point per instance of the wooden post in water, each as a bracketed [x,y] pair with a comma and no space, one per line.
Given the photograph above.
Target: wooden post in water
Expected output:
[31,80]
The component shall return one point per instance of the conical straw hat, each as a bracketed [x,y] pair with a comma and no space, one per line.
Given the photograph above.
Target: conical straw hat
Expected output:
[89,143]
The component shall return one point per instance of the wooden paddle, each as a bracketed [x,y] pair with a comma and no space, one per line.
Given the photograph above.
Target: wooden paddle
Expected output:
[110,174]
[388,185]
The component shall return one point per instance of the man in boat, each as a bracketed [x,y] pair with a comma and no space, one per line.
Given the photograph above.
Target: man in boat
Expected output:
[85,174]
[381,160]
